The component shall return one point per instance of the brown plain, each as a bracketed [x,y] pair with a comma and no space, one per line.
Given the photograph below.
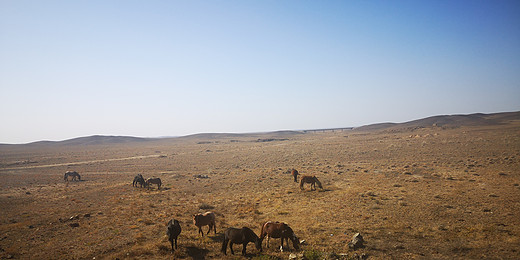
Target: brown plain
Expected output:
[437,190]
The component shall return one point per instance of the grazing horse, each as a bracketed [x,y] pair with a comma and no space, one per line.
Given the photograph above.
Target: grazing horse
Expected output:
[295,173]
[310,179]
[72,174]
[139,179]
[279,230]
[206,219]
[151,181]
[174,229]
[240,236]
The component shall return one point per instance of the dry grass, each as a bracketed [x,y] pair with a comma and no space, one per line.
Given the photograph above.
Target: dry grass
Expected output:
[423,193]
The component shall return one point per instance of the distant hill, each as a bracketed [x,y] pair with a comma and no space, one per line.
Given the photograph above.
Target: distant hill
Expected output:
[93,140]
[451,121]
[237,135]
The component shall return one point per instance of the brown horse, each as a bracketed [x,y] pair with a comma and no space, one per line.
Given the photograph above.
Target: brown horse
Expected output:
[206,219]
[310,179]
[150,181]
[279,230]
[295,173]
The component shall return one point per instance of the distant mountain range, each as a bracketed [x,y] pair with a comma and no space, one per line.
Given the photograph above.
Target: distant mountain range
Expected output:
[478,119]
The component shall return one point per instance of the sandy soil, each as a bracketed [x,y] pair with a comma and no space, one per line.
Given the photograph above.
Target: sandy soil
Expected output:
[428,193]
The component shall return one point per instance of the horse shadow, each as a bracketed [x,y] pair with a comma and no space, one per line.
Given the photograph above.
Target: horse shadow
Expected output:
[197,253]
[217,238]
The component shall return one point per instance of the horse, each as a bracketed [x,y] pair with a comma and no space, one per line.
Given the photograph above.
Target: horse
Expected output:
[150,181]
[279,230]
[240,236]
[310,179]
[295,173]
[174,229]
[139,179]
[206,219]
[72,174]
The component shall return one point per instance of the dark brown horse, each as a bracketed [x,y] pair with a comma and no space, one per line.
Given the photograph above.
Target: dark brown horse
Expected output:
[206,219]
[310,179]
[72,174]
[295,173]
[139,179]
[240,236]
[279,230]
[174,229]
[151,181]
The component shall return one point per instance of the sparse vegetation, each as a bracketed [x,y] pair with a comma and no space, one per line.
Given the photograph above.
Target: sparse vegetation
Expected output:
[424,193]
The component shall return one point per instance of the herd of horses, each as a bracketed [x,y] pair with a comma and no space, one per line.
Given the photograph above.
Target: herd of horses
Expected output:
[139,179]
[245,235]
[232,235]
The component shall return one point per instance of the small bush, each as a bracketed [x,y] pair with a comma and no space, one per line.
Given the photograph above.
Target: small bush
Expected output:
[312,255]
[205,206]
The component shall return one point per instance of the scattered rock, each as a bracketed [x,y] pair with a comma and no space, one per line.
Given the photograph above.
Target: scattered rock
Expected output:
[200,176]
[86,215]
[30,226]
[28,193]
[74,224]
[399,247]
[357,242]
[360,257]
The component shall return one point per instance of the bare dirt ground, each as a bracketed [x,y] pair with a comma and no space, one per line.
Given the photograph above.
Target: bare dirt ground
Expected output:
[427,193]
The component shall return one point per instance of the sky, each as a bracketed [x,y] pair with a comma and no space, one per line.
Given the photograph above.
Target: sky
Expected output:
[171,68]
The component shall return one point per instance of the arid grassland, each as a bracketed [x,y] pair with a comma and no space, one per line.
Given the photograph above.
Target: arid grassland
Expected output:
[413,193]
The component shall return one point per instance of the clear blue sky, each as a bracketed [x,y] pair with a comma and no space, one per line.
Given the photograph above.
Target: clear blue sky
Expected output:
[167,68]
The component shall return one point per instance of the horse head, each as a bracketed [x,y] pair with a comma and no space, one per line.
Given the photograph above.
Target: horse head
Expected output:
[295,241]
[258,243]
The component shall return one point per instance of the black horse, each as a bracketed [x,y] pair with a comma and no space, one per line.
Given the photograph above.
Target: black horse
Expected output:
[174,229]
[72,174]
[240,236]
[139,179]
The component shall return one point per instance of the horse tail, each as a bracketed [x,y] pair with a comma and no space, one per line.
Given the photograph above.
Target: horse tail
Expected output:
[262,234]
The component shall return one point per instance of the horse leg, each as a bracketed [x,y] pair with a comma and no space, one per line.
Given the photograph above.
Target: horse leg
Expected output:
[175,243]
[171,241]
[215,228]
[209,229]
[231,247]
[267,242]
[244,245]
[224,246]
[200,231]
